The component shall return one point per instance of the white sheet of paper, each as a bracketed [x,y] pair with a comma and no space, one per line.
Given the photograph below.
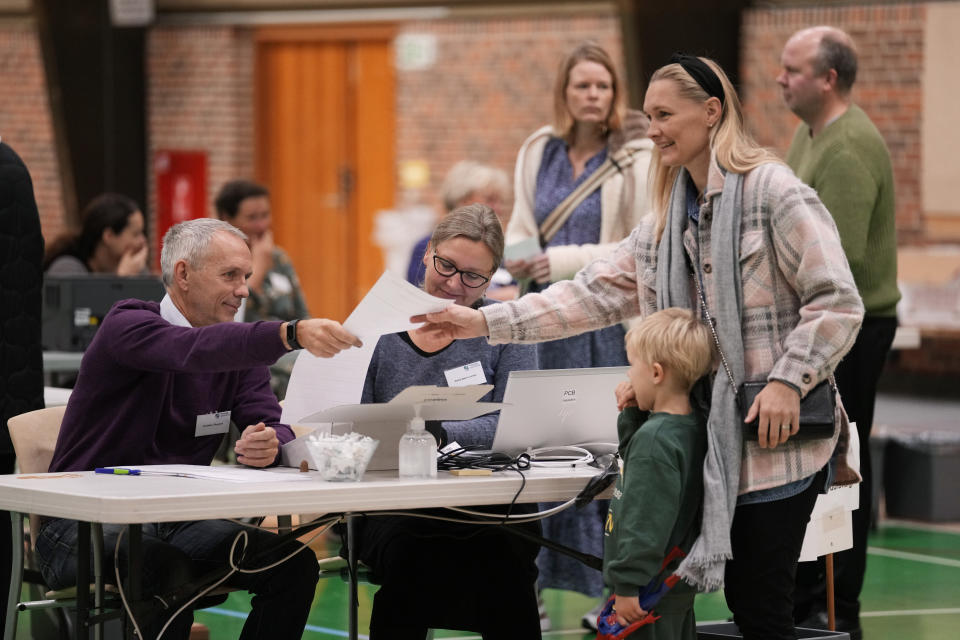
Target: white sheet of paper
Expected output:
[526,248]
[320,383]
[387,307]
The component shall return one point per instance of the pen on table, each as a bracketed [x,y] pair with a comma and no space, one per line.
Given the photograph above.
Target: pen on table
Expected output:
[117,471]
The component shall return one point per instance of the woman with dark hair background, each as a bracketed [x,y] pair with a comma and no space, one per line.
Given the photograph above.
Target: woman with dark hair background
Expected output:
[110,240]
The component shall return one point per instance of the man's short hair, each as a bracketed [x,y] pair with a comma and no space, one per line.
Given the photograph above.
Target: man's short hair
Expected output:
[233,193]
[676,339]
[189,241]
[837,54]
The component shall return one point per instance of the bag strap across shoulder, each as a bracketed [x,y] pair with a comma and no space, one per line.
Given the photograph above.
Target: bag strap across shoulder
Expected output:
[615,163]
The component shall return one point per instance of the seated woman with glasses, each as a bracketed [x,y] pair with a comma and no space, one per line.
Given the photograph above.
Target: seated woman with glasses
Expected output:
[417,561]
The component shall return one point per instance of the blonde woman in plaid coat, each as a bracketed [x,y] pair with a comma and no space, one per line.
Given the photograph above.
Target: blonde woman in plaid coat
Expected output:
[767,255]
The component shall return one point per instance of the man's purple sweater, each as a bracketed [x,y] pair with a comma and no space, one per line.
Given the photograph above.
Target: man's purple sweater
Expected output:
[144,381]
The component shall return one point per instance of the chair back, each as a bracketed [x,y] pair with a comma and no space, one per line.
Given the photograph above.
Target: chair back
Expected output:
[34,435]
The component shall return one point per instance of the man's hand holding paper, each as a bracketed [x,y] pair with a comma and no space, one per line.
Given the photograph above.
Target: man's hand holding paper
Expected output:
[325,338]
[317,384]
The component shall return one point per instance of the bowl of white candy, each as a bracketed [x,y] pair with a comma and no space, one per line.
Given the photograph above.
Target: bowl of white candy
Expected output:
[341,458]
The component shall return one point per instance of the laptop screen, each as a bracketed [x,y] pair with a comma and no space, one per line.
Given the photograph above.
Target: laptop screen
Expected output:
[74,306]
[559,407]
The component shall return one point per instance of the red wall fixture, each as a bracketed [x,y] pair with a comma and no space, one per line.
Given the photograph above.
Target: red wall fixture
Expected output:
[181,179]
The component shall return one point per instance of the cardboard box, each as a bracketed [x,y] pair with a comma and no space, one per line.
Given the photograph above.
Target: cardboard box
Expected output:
[387,421]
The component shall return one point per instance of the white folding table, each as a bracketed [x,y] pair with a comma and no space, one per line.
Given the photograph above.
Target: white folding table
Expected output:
[133,500]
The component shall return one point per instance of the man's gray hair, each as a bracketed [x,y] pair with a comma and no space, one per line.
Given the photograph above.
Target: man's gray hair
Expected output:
[836,51]
[189,241]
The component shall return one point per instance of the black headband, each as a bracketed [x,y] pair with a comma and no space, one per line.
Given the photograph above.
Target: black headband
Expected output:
[702,73]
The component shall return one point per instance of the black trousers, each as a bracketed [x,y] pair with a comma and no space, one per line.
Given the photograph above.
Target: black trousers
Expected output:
[857,377]
[444,575]
[766,540]
[174,553]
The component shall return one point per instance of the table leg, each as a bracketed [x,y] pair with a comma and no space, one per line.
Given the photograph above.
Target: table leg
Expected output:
[96,531]
[16,576]
[352,629]
[83,579]
[831,616]
[134,570]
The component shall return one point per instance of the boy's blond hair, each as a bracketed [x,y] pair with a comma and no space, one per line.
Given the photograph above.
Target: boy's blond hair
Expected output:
[676,339]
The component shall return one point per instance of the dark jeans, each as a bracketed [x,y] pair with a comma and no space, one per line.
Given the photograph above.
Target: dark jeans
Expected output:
[766,539]
[175,553]
[857,377]
[443,575]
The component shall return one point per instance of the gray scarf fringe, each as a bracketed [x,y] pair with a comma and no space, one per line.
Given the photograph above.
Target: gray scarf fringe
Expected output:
[704,565]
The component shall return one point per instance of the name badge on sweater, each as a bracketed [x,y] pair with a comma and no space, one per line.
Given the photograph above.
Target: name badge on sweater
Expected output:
[212,423]
[466,375]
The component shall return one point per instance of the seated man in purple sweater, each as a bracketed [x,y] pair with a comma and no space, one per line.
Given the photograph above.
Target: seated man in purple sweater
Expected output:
[160,384]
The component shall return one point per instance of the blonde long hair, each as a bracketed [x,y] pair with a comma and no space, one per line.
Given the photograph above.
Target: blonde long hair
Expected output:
[731,144]
[563,122]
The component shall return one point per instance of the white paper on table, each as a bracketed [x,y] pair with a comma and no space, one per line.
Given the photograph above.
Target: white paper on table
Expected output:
[320,383]
[522,250]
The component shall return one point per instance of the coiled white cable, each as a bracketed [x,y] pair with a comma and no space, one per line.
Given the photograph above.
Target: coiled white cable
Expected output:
[563,457]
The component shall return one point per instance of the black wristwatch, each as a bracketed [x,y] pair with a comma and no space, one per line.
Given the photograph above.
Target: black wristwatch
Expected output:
[292,341]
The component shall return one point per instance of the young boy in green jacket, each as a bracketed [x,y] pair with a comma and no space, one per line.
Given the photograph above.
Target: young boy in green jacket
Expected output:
[656,505]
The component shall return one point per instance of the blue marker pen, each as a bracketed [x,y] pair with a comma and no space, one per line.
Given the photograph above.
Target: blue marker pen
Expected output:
[117,471]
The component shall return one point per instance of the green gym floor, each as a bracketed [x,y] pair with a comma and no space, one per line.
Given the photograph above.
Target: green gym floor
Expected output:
[912,591]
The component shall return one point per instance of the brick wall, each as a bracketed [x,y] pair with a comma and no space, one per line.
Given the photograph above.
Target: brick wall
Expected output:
[491,87]
[889,39]
[25,121]
[200,97]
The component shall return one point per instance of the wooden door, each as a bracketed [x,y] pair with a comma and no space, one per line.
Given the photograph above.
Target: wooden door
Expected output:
[325,148]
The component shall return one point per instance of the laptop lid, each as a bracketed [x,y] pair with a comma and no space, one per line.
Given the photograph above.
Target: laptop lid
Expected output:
[558,407]
[74,306]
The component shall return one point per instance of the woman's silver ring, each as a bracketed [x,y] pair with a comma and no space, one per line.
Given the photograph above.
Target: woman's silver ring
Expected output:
[785,426]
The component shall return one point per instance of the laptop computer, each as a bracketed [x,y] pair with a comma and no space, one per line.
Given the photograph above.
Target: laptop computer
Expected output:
[559,407]
[74,306]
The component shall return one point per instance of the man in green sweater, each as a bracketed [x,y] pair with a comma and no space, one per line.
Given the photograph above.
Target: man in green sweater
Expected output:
[838,151]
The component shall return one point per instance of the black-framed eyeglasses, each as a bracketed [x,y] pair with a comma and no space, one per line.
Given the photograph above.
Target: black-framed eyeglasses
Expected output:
[469,279]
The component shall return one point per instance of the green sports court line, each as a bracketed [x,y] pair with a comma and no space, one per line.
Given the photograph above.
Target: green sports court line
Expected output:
[911,612]
[915,557]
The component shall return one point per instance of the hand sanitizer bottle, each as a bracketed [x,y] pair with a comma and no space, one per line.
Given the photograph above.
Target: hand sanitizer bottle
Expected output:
[418,451]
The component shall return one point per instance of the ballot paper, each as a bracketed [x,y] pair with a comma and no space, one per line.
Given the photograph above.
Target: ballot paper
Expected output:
[317,384]
[522,250]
